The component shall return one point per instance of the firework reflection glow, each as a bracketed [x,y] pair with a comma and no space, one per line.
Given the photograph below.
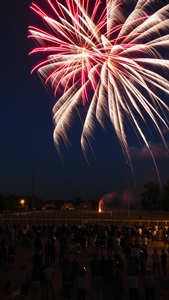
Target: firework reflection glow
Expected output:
[110,62]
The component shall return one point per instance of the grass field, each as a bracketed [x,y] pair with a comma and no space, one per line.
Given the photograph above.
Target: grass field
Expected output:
[80,217]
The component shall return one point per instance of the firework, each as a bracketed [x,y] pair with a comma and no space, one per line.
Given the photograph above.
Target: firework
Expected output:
[109,60]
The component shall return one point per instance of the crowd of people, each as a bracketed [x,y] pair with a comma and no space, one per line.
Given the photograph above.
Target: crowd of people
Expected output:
[95,256]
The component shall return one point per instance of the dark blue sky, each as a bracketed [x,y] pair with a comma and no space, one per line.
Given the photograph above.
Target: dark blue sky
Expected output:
[26,133]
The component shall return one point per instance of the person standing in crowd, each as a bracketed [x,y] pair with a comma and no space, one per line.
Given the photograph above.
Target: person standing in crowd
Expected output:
[81,284]
[164,262]
[156,262]
[149,285]
[47,250]
[48,275]
[35,281]
[97,285]
[24,282]
[143,260]
[11,254]
[75,268]
[133,286]
[3,252]
[67,280]
[118,284]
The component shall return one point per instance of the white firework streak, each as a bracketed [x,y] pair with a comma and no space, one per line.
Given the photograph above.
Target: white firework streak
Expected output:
[104,61]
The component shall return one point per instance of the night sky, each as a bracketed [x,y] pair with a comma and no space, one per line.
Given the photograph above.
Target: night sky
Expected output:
[26,133]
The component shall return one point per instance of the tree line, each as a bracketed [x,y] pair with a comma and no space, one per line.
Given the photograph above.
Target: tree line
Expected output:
[154,197]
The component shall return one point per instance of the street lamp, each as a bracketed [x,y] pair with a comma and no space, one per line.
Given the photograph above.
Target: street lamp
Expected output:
[22,202]
[127,187]
[33,184]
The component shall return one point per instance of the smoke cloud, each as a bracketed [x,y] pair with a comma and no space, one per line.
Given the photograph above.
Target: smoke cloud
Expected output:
[109,201]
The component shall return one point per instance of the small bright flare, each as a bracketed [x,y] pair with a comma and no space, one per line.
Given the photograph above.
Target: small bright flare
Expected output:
[100,206]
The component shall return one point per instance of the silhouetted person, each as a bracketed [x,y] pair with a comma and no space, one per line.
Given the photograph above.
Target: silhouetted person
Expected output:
[35,281]
[48,274]
[149,285]
[156,262]
[67,280]
[24,282]
[164,262]
[117,284]
[97,285]
[133,286]
[81,284]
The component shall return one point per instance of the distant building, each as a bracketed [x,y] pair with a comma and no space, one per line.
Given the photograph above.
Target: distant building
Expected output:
[67,205]
[85,206]
[49,206]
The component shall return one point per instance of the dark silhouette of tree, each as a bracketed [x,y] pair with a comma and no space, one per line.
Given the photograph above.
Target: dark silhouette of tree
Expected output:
[165,196]
[150,198]
[77,201]
[2,202]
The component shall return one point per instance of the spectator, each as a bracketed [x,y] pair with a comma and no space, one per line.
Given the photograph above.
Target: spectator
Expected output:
[15,293]
[109,270]
[48,274]
[127,253]
[109,245]
[104,268]
[97,285]
[47,250]
[119,262]
[149,285]
[24,282]
[67,278]
[133,286]
[35,281]
[94,264]
[11,254]
[77,249]
[37,244]
[62,243]
[143,260]
[36,259]
[53,253]
[4,252]
[156,262]
[75,268]
[81,284]
[117,284]
[164,262]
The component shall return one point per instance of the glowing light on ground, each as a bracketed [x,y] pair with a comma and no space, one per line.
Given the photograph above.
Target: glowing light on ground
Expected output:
[100,206]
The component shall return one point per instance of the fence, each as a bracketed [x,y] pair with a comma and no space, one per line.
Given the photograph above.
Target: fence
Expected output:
[80,221]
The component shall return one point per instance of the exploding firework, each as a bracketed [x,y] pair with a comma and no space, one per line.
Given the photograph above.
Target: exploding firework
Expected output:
[108,59]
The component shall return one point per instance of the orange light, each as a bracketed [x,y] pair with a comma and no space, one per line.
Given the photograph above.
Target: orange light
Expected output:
[100,206]
[22,202]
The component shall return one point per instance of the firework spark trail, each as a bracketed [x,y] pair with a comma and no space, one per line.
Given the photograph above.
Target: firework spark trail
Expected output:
[105,62]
